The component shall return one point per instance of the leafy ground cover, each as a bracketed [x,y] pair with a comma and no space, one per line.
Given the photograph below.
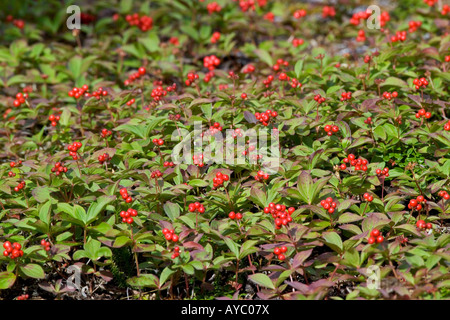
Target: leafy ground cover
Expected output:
[93,204]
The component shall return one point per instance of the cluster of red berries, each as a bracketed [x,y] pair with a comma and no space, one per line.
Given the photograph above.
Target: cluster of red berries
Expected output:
[421,224]
[248,69]
[23,297]
[445,9]
[213,7]
[158,93]
[375,236]
[367,58]
[45,244]
[232,215]
[265,117]
[280,214]
[220,179]
[346,96]
[208,76]
[300,13]
[368,197]
[215,37]
[87,18]
[170,235]
[125,196]
[295,83]
[196,206]
[211,62]
[12,250]
[430,2]
[423,113]
[414,25]
[269,16]
[280,63]
[20,186]
[134,76]
[176,252]
[447,126]
[261,176]
[319,99]
[191,77]
[329,205]
[279,252]
[103,158]
[237,133]
[19,23]
[384,17]
[384,172]
[13,164]
[361,37]
[127,216]
[20,99]
[144,22]
[158,142]
[198,160]
[268,81]
[174,41]
[156,174]
[359,164]
[328,11]
[168,164]
[329,129]
[283,77]
[399,36]
[420,82]
[131,102]
[246,5]
[97,93]
[444,194]
[73,148]
[368,120]
[389,95]
[59,168]
[54,119]
[215,128]
[174,117]
[358,16]
[106,133]
[297,42]
[416,203]
[78,92]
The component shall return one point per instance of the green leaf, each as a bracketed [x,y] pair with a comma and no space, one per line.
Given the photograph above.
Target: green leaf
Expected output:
[144,281]
[409,229]
[41,194]
[74,66]
[7,279]
[333,240]
[262,280]
[234,247]
[308,189]
[172,210]
[264,56]
[165,274]
[121,241]
[96,207]
[32,270]
[198,183]
[45,212]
